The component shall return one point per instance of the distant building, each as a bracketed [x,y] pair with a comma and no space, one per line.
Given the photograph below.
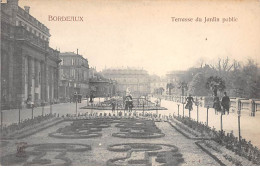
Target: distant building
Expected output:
[136,80]
[101,86]
[74,75]
[174,78]
[29,66]
[157,84]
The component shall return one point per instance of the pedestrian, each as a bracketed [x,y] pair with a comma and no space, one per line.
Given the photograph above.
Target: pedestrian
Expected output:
[189,102]
[216,104]
[79,98]
[113,106]
[225,102]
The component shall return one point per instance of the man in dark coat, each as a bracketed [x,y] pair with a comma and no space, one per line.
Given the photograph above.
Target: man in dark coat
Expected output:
[225,102]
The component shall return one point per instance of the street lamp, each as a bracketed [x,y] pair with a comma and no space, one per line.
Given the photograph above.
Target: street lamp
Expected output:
[77,103]
[221,121]
[183,102]
[178,109]
[238,117]
[207,115]
[197,104]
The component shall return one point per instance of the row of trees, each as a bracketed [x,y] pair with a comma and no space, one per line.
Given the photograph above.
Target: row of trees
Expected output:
[237,79]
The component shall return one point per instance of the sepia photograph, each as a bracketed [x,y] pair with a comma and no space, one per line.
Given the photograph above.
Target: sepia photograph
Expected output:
[130,83]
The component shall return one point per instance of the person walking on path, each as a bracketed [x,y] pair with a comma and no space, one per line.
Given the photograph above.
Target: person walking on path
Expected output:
[189,102]
[225,102]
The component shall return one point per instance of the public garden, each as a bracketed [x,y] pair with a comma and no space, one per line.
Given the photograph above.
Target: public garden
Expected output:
[85,137]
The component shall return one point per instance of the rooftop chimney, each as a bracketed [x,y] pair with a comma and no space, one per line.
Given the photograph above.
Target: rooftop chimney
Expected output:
[27,9]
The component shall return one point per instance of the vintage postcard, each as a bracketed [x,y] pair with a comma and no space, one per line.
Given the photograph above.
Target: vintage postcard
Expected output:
[130,83]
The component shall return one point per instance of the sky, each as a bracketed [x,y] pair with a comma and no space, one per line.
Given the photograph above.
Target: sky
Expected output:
[141,33]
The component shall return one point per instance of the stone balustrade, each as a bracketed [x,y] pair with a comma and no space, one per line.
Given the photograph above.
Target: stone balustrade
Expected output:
[251,106]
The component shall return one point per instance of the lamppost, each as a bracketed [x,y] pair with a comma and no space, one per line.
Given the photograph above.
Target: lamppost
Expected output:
[183,102]
[238,117]
[178,109]
[189,112]
[1,120]
[207,115]
[76,103]
[32,110]
[50,106]
[221,122]
[43,104]
[117,105]
[91,101]
[197,104]
[143,102]
[19,102]
[157,103]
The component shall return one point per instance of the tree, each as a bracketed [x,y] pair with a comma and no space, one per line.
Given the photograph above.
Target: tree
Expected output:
[215,84]
[252,78]
[196,86]
[183,86]
[161,90]
[169,87]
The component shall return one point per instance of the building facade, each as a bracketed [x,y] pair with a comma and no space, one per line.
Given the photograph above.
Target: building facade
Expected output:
[174,78]
[158,85]
[74,75]
[136,80]
[101,86]
[30,68]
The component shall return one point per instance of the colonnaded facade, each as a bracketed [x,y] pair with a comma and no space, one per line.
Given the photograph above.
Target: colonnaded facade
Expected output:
[30,68]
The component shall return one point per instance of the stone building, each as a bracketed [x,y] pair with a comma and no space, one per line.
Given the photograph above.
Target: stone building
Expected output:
[158,84]
[176,79]
[136,80]
[30,68]
[101,86]
[74,75]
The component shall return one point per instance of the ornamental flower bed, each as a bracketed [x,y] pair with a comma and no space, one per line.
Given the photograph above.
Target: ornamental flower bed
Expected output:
[223,155]
[187,131]
[138,128]
[41,154]
[7,130]
[241,148]
[82,129]
[140,154]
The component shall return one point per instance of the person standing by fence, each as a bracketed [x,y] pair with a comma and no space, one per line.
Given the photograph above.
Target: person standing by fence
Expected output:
[216,104]
[225,102]
[190,101]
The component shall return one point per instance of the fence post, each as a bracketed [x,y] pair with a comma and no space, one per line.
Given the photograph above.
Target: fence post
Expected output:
[197,113]
[32,111]
[178,109]
[19,116]
[221,122]
[183,109]
[207,115]
[252,106]
[238,116]
[1,120]
[76,107]
[42,109]
[51,107]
